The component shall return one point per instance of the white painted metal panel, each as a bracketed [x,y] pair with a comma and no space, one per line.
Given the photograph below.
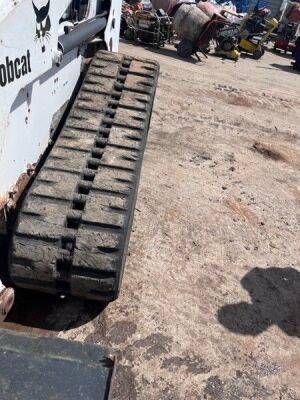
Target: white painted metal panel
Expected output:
[32,88]
[112,30]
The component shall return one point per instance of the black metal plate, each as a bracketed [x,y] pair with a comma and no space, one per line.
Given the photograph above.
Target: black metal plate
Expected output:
[35,368]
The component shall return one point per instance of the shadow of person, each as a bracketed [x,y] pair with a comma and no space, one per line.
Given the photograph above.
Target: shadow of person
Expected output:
[275,296]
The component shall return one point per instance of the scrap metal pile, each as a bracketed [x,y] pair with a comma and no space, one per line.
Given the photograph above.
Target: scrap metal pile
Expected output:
[153,27]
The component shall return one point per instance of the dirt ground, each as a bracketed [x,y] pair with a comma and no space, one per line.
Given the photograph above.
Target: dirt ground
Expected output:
[210,304]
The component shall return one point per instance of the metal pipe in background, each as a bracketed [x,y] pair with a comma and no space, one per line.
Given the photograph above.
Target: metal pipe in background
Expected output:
[82,33]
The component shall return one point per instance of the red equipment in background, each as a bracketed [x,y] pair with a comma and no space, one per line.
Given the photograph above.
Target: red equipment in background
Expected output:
[288,28]
[284,38]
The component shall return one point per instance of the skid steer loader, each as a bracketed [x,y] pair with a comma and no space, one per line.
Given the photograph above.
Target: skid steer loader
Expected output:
[74,118]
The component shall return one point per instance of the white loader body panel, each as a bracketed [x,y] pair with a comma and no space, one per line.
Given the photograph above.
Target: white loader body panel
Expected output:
[34,91]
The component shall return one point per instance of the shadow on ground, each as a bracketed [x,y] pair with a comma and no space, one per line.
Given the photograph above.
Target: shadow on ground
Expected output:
[287,68]
[43,311]
[169,51]
[173,54]
[275,296]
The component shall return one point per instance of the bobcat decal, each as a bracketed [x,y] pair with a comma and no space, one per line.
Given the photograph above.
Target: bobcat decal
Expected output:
[43,24]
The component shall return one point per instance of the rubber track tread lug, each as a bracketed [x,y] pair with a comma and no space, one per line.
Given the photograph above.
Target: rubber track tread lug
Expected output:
[73,229]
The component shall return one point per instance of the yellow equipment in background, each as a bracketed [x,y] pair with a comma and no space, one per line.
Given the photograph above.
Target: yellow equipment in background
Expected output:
[231,54]
[227,39]
[253,42]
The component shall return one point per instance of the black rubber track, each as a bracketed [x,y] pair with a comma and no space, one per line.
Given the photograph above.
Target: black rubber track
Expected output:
[73,229]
